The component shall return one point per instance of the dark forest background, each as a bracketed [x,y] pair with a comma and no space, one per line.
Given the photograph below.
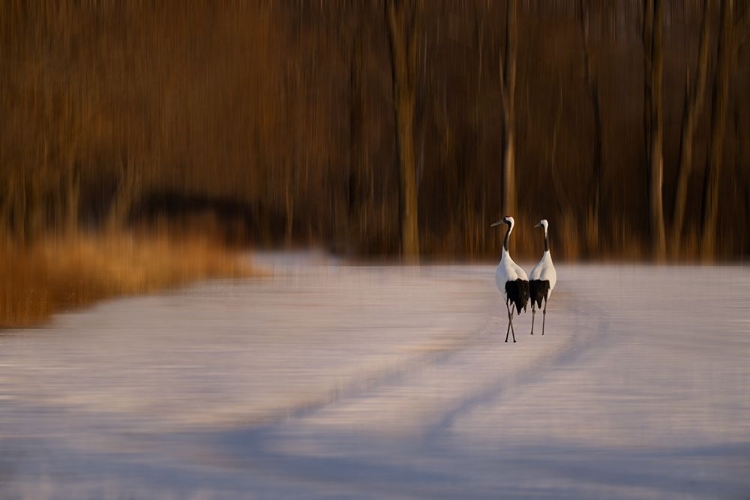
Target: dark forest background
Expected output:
[385,127]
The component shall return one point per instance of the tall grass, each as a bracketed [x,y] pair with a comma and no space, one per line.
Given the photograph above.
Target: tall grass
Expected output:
[55,274]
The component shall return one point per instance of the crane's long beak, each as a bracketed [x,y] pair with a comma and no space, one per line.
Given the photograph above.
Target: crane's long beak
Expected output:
[496,223]
[538,225]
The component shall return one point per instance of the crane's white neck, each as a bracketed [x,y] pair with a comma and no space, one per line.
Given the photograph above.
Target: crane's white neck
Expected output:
[545,226]
[511,223]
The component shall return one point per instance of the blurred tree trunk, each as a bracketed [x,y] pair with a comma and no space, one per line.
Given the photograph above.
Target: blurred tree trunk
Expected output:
[5,207]
[742,29]
[4,216]
[17,206]
[35,208]
[288,208]
[647,39]
[508,93]
[720,100]
[72,197]
[402,17]
[563,201]
[479,32]
[694,99]
[653,77]
[597,173]
[21,208]
[129,186]
[355,140]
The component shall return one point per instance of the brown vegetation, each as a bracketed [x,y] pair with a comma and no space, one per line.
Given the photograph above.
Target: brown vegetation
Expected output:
[278,117]
[52,275]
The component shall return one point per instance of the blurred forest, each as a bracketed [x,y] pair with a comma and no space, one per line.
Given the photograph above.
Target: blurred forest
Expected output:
[379,128]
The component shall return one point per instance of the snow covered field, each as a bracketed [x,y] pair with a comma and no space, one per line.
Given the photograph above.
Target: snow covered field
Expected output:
[328,381]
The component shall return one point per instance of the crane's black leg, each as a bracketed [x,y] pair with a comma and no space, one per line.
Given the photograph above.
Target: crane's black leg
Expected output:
[544,317]
[533,314]
[511,325]
[509,322]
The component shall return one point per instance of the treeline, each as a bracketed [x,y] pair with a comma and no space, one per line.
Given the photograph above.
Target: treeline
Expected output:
[383,127]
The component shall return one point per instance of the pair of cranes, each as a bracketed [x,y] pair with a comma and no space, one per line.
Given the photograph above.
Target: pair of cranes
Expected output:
[516,287]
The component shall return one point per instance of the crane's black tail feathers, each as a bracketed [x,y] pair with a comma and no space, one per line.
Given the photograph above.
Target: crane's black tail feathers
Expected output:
[518,293]
[539,289]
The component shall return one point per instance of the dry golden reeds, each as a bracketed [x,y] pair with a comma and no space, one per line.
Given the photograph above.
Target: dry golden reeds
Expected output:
[56,274]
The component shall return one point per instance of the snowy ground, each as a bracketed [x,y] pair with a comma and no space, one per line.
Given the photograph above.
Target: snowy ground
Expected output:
[329,381]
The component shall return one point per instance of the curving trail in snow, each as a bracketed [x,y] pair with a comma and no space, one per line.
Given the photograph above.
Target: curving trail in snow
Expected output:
[372,381]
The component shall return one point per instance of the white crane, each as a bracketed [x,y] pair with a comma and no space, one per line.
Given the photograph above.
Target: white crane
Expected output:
[542,279]
[511,280]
